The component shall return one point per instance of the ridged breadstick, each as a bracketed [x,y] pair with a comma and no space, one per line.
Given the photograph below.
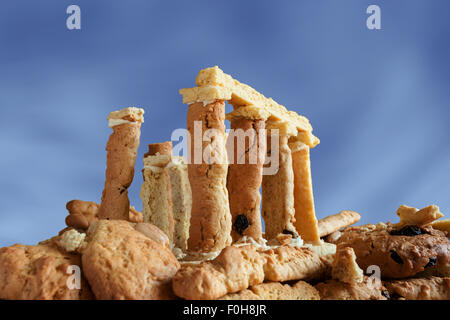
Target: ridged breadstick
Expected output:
[337,221]
[245,177]
[305,217]
[121,150]
[210,226]
[156,189]
[278,192]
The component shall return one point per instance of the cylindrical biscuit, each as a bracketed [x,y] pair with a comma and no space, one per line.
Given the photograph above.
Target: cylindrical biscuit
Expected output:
[245,177]
[156,193]
[121,150]
[305,217]
[210,216]
[278,192]
[337,221]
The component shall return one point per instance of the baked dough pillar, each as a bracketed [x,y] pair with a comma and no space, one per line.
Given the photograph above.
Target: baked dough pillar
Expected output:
[305,217]
[245,176]
[121,150]
[278,190]
[210,226]
[156,189]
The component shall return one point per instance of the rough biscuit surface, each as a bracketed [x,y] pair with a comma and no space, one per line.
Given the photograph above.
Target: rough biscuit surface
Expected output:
[210,226]
[39,272]
[121,150]
[278,193]
[276,291]
[237,268]
[345,268]
[233,270]
[121,262]
[368,289]
[245,177]
[399,253]
[432,288]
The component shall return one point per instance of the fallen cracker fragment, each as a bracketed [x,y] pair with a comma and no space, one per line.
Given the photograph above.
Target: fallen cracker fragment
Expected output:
[443,225]
[156,192]
[121,158]
[345,268]
[237,268]
[71,240]
[337,222]
[301,290]
[432,288]
[410,216]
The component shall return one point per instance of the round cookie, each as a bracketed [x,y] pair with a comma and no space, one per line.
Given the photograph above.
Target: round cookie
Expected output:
[399,253]
[128,261]
[39,272]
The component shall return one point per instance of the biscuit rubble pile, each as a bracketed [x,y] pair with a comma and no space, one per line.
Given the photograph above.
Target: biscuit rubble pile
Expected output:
[200,235]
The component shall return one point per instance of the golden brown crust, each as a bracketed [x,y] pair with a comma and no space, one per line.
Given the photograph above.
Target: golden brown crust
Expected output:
[337,222]
[237,268]
[278,193]
[121,157]
[161,148]
[398,256]
[210,226]
[276,291]
[233,270]
[131,114]
[305,216]
[369,289]
[245,177]
[123,263]
[432,288]
[39,273]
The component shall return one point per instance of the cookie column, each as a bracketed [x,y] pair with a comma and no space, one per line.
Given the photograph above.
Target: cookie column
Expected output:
[121,150]
[156,189]
[278,185]
[181,201]
[248,142]
[207,169]
[305,217]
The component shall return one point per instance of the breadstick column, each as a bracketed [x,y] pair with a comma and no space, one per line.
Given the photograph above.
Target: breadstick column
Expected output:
[121,150]
[245,176]
[305,217]
[156,189]
[278,189]
[207,169]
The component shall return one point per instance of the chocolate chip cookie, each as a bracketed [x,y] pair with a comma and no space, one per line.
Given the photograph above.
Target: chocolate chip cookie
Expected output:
[399,253]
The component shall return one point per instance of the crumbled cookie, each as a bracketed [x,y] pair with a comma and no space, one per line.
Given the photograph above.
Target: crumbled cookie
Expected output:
[410,216]
[123,263]
[71,240]
[345,268]
[301,290]
[368,289]
[400,253]
[40,272]
[432,288]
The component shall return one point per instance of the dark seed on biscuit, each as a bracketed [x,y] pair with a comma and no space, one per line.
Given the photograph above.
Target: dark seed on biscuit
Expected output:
[431,262]
[241,223]
[385,294]
[409,231]
[288,232]
[396,257]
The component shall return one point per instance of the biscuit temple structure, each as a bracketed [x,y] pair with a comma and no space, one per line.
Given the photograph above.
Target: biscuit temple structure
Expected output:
[225,196]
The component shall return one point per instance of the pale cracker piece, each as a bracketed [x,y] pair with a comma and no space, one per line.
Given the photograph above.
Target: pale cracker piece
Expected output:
[443,225]
[345,268]
[410,216]
[132,114]
[337,221]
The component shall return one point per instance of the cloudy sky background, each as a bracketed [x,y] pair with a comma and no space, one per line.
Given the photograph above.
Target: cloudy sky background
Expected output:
[378,100]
